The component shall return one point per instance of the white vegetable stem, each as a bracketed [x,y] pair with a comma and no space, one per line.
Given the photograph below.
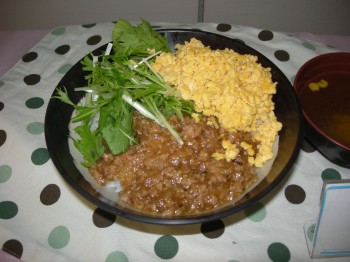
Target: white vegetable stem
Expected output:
[109,49]
[141,109]
[144,60]
[149,115]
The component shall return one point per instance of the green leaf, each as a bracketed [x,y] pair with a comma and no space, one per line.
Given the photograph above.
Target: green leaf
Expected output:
[116,139]
[136,40]
[116,125]
[89,144]
[63,96]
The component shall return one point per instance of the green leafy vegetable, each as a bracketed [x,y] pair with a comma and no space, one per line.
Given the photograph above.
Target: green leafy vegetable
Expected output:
[118,84]
[90,144]
[137,40]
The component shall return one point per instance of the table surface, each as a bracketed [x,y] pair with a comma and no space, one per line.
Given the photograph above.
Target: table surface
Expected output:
[43,219]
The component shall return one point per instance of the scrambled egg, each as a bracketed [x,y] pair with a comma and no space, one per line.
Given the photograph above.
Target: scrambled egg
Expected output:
[232,87]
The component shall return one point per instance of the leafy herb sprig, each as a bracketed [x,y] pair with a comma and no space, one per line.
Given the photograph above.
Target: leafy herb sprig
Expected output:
[119,83]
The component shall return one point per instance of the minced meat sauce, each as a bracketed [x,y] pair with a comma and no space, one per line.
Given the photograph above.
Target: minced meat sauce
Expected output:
[160,176]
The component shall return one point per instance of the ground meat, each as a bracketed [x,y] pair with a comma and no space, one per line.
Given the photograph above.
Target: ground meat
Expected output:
[160,176]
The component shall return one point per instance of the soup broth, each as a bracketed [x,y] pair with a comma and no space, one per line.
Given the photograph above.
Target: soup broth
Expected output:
[329,107]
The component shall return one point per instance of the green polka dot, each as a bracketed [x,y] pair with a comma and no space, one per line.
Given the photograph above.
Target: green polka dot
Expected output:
[58,31]
[34,102]
[116,256]
[1,83]
[5,173]
[310,232]
[8,209]
[330,173]
[166,247]
[35,128]
[256,212]
[64,69]
[308,45]
[278,252]
[40,156]
[59,237]
[89,25]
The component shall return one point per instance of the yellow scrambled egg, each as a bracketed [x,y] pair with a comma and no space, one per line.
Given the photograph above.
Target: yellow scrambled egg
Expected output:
[232,87]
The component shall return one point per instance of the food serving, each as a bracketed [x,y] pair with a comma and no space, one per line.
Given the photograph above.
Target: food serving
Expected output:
[178,133]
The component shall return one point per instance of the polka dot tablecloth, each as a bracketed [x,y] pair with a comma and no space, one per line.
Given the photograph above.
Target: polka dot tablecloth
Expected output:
[43,219]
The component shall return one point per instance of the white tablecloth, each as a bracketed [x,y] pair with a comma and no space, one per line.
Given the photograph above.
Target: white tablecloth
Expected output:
[43,219]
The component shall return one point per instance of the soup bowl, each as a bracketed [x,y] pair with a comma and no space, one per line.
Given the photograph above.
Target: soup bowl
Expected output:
[322,85]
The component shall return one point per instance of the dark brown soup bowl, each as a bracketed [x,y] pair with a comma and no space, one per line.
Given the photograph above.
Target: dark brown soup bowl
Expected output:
[323,88]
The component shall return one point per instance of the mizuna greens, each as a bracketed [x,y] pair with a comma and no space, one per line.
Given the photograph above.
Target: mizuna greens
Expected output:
[118,83]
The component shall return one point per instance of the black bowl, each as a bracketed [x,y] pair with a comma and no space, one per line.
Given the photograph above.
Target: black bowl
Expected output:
[287,110]
[326,111]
